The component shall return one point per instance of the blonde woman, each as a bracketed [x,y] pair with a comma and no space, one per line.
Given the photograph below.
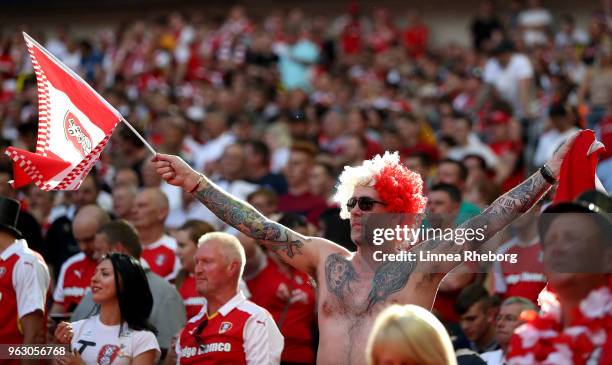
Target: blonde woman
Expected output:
[409,335]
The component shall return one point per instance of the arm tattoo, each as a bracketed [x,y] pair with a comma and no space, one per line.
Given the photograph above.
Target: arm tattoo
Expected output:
[512,205]
[249,221]
[339,272]
[389,278]
[498,215]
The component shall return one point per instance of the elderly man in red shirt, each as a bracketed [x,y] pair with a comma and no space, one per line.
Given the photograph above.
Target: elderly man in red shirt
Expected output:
[229,329]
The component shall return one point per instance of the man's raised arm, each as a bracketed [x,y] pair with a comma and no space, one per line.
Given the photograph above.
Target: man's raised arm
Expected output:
[502,211]
[288,244]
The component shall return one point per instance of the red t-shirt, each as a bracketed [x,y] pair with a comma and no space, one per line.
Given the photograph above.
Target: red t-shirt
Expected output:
[526,277]
[74,278]
[272,289]
[192,300]
[415,40]
[517,176]
[161,257]
[351,38]
[307,204]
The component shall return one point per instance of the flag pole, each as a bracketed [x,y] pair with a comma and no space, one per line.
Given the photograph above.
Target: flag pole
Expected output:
[138,135]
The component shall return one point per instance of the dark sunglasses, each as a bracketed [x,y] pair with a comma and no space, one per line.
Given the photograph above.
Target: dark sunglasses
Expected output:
[365,203]
[198,331]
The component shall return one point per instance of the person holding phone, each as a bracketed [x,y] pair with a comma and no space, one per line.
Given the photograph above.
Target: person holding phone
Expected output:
[120,333]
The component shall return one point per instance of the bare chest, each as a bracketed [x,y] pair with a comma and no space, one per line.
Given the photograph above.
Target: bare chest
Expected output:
[353,295]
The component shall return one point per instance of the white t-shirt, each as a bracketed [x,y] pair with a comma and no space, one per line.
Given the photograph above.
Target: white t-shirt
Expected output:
[493,357]
[212,150]
[548,144]
[506,80]
[100,344]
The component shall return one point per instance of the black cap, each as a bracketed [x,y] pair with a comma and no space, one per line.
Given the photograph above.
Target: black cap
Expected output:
[597,204]
[9,213]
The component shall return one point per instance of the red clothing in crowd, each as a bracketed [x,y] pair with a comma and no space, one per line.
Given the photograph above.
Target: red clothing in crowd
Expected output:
[291,301]
[161,258]
[192,300]
[306,204]
[24,279]
[501,148]
[444,306]
[526,277]
[415,40]
[351,39]
[74,278]
[240,332]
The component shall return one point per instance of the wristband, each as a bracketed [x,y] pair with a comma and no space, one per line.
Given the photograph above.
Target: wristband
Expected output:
[197,184]
[546,174]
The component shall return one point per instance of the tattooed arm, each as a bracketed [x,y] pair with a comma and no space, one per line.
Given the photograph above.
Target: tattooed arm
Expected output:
[295,249]
[501,212]
[392,276]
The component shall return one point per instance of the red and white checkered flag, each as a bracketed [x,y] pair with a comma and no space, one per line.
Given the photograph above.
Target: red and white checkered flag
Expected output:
[74,124]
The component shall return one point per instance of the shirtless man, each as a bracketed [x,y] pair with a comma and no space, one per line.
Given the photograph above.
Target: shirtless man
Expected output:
[353,287]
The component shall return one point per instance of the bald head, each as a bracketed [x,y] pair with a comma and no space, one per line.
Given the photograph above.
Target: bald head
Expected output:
[150,209]
[88,220]
[126,176]
[150,178]
[157,196]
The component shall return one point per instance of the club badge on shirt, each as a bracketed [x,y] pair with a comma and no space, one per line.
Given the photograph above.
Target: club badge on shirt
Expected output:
[159,260]
[108,354]
[225,326]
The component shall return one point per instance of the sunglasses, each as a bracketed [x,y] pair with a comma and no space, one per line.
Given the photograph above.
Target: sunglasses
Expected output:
[365,203]
[198,331]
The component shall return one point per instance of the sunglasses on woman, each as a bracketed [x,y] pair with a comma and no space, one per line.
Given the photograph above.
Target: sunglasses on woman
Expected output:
[365,203]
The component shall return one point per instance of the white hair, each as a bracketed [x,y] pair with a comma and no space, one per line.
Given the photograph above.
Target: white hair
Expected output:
[230,247]
[361,176]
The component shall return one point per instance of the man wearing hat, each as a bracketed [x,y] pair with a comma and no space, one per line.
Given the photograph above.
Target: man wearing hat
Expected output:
[576,309]
[24,279]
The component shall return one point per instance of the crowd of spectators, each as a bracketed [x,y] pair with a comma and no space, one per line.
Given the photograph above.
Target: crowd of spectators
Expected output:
[271,110]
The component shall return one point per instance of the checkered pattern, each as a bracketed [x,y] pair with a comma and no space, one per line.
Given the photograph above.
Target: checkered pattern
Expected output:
[44,106]
[30,169]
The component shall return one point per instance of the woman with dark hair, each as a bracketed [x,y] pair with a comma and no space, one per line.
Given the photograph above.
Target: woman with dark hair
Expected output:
[120,333]
[187,237]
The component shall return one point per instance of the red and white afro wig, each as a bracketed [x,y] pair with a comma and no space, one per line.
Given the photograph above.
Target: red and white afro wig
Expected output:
[397,186]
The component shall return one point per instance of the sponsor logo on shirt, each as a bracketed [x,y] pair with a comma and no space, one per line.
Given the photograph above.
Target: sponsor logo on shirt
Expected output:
[2,271]
[206,348]
[525,277]
[74,291]
[77,273]
[195,301]
[225,326]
